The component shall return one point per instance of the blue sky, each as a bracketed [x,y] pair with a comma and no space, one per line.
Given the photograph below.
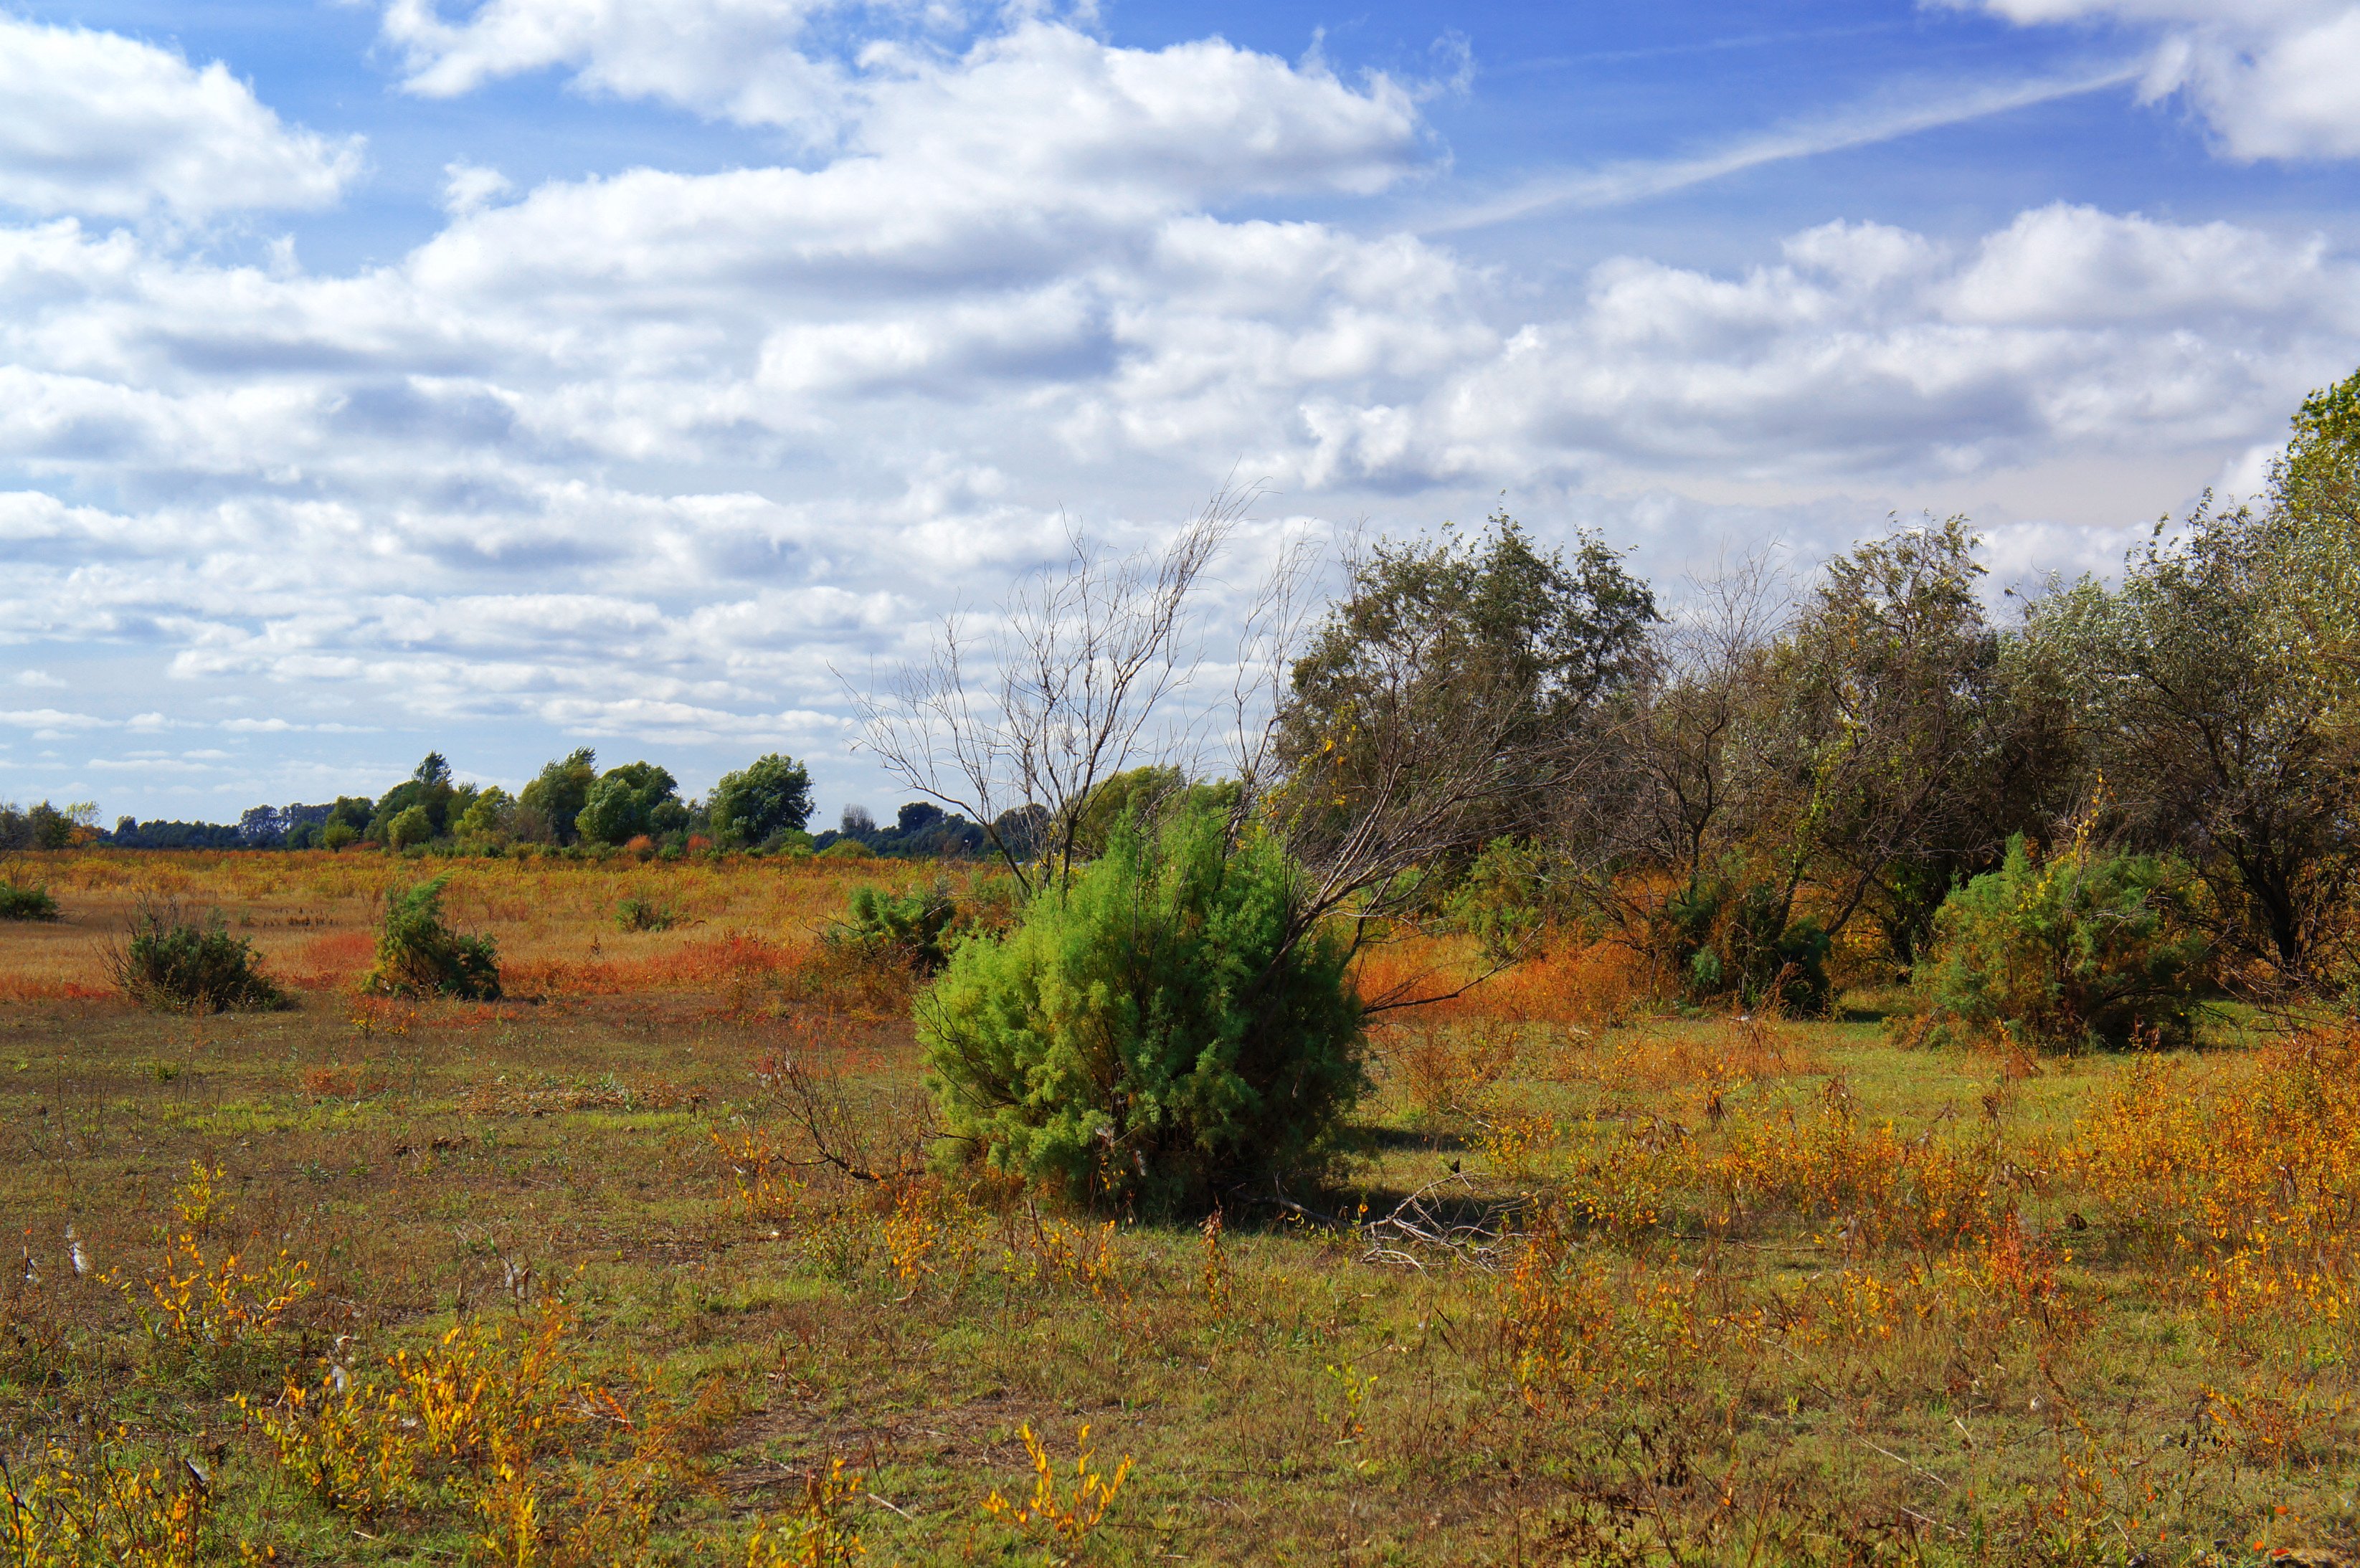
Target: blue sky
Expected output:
[513,376]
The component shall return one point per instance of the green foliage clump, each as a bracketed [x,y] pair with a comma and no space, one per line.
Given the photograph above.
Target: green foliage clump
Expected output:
[1507,898]
[769,796]
[428,792]
[848,849]
[2083,949]
[548,806]
[488,820]
[638,914]
[176,966]
[1734,940]
[408,827]
[337,835]
[636,798]
[18,902]
[416,952]
[912,928]
[1157,1032]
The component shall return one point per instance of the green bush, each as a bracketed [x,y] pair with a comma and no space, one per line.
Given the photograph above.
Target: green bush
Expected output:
[848,849]
[911,929]
[337,836]
[2085,949]
[21,903]
[1506,899]
[1736,940]
[1157,1033]
[176,966]
[416,953]
[637,914]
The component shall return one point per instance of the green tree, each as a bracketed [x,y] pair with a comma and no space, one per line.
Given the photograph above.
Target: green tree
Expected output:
[770,795]
[428,790]
[1161,1029]
[409,826]
[547,808]
[2217,726]
[488,818]
[636,798]
[1445,648]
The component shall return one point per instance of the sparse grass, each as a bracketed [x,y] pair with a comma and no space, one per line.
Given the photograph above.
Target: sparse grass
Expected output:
[1699,1291]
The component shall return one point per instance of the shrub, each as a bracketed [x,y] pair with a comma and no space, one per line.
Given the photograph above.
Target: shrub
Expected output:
[416,952]
[848,849]
[1157,1032]
[22,903]
[637,914]
[1740,941]
[176,966]
[337,836]
[911,929]
[2083,949]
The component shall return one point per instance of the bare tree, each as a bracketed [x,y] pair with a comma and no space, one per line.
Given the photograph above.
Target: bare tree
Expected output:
[1071,689]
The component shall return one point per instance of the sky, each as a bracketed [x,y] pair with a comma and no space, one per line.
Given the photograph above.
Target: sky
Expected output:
[501,377]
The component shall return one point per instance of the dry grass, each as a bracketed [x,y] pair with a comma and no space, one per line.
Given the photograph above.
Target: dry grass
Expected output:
[553,1279]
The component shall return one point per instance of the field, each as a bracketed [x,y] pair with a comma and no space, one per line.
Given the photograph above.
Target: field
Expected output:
[549,1280]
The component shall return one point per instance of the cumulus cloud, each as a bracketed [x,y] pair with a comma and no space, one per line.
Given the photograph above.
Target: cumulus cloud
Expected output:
[2273,79]
[108,127]
[653,454]
[740,60]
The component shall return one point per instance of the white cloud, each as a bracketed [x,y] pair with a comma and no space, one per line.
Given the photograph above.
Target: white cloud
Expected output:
[39,679]
[105,125]
[740,60]
[2274,79]
[469,187]
[645,455]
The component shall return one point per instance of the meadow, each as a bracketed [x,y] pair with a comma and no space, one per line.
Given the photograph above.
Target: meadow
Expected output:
[556,1280]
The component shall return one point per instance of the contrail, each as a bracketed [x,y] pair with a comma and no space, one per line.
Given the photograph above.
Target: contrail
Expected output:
[1614,184]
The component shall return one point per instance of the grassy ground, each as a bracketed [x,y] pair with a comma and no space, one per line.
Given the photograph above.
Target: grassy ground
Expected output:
[549,1285]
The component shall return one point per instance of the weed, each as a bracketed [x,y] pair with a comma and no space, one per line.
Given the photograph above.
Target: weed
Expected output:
[1061,1523]
[817,1534]
[102,1505]
[212,1305]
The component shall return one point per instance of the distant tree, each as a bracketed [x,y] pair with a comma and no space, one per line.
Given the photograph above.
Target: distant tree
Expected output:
[856,822]
[488,818]
[409,826]
[261,827]
[636,798]
[769,795]
[547,808]
[429,789]
[50,827]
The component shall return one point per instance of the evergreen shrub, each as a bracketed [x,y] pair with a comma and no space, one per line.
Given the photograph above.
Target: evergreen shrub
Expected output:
[416,953]
[2083,949]
[1154,1033]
